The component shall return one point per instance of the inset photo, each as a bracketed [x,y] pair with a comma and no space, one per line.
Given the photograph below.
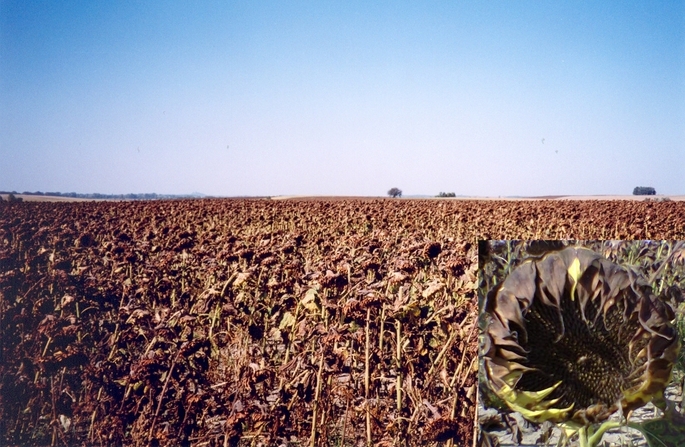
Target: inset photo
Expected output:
[580,343]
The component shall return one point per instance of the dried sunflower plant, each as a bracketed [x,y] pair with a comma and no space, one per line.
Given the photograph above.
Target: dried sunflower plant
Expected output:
[578,337]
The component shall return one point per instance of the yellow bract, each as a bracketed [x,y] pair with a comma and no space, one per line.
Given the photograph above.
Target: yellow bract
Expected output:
[531,404]
[574,273]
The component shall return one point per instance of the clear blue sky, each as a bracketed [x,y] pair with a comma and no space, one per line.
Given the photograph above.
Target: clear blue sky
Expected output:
[342,98]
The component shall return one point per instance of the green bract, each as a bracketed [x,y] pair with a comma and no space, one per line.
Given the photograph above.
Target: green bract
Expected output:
[572,337]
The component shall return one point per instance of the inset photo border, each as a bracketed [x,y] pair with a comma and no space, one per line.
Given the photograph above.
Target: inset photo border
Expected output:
[580,343]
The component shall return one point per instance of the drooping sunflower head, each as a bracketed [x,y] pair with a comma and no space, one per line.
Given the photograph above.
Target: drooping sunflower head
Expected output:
[574,337]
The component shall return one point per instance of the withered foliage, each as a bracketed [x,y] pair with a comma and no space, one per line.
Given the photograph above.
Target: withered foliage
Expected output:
[230,322]
[256,322]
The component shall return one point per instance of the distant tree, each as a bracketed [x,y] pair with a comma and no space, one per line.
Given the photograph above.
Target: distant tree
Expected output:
[12,198]
[644,191]
[395,192]
[447,194]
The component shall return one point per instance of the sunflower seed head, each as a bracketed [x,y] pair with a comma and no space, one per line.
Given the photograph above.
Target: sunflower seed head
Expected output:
[573,337]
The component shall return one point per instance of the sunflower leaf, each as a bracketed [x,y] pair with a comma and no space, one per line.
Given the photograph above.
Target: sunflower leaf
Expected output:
[662,432]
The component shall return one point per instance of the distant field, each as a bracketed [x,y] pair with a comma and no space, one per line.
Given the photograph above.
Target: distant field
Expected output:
[240,322]
[34,198]
[558,197]
[676,198]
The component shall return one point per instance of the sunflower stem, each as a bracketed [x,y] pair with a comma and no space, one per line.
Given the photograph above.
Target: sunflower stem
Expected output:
[595,438]
[582,437]
[366,378]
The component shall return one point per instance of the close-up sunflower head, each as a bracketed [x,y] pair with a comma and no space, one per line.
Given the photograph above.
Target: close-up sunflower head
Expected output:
[571,337]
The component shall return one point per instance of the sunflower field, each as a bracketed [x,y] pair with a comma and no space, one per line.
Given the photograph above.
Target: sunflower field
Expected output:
[259,322]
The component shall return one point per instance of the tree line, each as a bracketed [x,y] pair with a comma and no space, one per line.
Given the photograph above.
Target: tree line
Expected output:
[145,196]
